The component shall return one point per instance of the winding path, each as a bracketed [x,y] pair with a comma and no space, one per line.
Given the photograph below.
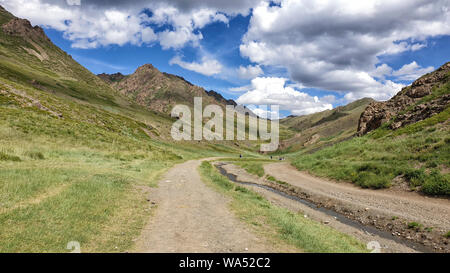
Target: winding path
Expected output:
[433,212]
[191,217]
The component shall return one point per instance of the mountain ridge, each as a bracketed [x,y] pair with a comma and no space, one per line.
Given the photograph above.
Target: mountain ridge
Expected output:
[324,128]
[161,91]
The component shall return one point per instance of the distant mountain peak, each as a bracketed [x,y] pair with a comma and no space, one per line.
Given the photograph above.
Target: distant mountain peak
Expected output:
[145,67]
[160,91]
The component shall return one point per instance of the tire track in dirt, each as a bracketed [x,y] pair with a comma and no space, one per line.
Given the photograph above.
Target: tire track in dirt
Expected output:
[191,217]
[375,207]
[281,199]
[432,211]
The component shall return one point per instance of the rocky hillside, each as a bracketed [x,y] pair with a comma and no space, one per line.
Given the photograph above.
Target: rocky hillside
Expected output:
[27,56]
[160,91]
[86,153]
[37,75]
[426,97]
[111,78]
[220,98]
[323,128]
[407,147]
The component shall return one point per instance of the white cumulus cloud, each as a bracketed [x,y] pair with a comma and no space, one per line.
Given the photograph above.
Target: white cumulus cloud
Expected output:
[411,71]
[91,24]
[249,72]
[332,45]
[407,72]
[335,44]
[206,67]
[273,91]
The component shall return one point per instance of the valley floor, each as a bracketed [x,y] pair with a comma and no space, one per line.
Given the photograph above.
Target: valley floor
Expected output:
[429,211]
[401,221]
[191,217]
[198,210]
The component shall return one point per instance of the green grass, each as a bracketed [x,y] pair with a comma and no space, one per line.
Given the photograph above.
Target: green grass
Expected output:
[418,153]
[250,163]
[326,127]
[6,157]
[252,167]
[68,180]
[62,191]
[35,155]
[80,177]
[421,125]
[436,93]
[271,178]
[73,193]
[288,227]
[414,225]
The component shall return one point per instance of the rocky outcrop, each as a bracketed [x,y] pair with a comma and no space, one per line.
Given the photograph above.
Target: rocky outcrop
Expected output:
[35,36]
[23,28]
[111,78]
[220,98]
[408,106]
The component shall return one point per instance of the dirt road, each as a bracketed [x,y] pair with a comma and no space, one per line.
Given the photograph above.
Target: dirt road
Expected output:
[409,215]
[433,212]
[191,217]
[364,234]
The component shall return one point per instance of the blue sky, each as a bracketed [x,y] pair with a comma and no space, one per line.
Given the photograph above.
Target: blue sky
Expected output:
[219,39]
[302,55]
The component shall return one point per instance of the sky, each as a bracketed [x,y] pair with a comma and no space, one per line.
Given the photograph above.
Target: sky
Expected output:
[305,56]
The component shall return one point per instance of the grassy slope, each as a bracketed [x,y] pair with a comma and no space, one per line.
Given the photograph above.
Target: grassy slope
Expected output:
[76,179]
[328,127]
[418,154]
[300,123]
[294,229]
[80,177]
